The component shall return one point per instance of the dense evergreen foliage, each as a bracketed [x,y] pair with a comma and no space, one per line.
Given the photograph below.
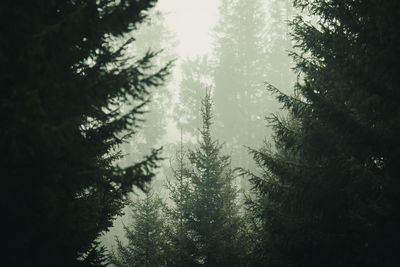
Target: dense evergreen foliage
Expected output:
[77,84]
[202,224]
[182,247]
[146,236]
[328,195]
[63,81]
[205,200]
[213,217]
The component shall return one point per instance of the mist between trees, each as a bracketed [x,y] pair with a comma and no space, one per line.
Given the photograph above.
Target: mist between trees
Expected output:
[288,152]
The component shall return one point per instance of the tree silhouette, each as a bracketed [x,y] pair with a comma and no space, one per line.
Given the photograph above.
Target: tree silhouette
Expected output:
[63,82]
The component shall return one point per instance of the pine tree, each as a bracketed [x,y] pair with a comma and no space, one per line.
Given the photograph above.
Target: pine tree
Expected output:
[183,249]
[213,216]
[63,82]
[329,191]
[146,236]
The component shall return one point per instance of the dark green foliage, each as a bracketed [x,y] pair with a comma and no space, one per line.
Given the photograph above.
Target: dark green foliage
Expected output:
[146,236]
[213,217]
[205,199]
[328,194]
[153,35]
[63,80]
[182,249]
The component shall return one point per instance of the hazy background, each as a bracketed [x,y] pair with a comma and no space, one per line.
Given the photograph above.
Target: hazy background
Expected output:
[193,33]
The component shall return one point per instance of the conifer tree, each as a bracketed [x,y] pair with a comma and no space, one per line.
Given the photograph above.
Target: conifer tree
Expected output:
[329,190]
[63,81]
[204,216]
[146,236]
[182,250]
[213,217]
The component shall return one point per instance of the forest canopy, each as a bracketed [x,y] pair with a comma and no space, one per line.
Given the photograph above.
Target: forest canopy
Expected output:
[288,150]
[64,81]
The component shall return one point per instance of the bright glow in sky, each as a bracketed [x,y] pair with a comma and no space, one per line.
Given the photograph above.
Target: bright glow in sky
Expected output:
[192,21]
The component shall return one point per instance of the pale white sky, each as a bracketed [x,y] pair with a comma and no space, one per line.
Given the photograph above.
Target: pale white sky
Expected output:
[192,21]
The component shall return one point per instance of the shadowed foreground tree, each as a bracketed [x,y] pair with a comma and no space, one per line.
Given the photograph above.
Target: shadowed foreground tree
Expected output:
[328,194]
[63,80]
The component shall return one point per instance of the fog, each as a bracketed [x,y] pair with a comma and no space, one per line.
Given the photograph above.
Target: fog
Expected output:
[200,133]
[194,29]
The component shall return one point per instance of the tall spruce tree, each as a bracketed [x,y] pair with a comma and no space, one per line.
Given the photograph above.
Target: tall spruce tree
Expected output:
[329,192]
[63,80]
[213,217]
